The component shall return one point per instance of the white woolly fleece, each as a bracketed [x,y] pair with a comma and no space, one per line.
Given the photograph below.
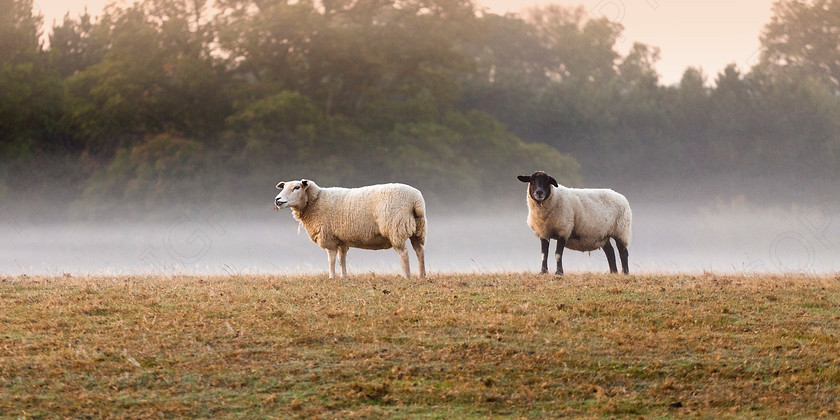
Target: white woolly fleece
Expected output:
[372,217]
[586,217]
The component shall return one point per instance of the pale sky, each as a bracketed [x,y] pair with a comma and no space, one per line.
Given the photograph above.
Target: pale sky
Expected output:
[709,34]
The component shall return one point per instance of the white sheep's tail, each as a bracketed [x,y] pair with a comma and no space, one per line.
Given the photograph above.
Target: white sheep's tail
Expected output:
[420,221]
[624,227]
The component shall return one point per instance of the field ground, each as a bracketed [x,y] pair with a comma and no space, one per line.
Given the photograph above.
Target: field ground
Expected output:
[453,346]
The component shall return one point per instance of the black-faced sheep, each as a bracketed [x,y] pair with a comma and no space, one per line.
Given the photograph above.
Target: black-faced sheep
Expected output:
[579,219]
[372,217]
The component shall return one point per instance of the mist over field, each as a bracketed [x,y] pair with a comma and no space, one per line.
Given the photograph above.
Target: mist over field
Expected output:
[731,235]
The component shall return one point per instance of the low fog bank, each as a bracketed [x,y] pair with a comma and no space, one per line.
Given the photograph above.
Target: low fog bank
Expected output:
[735,235]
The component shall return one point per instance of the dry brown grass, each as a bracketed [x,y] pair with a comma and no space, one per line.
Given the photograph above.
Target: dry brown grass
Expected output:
[517,345]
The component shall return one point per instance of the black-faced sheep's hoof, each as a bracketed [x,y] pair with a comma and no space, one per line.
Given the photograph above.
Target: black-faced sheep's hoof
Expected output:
[543,270]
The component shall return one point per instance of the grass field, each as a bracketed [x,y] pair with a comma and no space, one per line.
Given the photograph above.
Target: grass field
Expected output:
[453,346]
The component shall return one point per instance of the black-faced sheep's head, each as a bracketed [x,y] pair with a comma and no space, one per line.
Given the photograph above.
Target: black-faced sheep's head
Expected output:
[292,194]
[539,185]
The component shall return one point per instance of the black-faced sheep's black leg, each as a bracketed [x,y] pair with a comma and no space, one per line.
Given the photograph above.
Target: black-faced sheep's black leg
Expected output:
[624,254]
[608,249]
[544,243]
[558,255]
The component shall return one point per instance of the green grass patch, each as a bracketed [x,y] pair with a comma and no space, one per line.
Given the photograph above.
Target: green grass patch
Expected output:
[465,346]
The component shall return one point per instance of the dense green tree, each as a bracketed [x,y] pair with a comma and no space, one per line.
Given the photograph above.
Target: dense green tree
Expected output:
[797,131]
[266,41]
[157,75]
[691,113]
[735,116]
[29,92]
[362,60]
[638,69]
[20,30]
[165,98]
[164,168]
[579,48]
[548,75]
[803,36]
[77,44]
[510,74]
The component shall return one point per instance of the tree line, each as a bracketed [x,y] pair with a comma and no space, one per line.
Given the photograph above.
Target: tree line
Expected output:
[186,100]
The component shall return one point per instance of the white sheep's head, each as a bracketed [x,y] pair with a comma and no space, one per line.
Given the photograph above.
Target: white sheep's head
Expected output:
[292,194]
[539,185]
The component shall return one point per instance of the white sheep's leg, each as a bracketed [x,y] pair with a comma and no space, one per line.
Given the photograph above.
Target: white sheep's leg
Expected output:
[342,259]
[608,249]
[403,252]
[331,257]
[421,255]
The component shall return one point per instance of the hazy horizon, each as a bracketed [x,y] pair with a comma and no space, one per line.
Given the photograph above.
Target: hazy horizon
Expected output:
[727,236]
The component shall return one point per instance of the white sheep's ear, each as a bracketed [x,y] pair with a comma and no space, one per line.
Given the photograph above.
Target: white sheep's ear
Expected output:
[304,183]
[553,181]
[281,185]
[524,178]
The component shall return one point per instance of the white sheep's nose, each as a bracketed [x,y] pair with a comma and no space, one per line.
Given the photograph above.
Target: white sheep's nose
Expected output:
[279,201]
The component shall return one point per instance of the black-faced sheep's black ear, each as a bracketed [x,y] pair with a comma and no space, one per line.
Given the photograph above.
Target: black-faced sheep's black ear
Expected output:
[524,178]
[281,185]
[553,181]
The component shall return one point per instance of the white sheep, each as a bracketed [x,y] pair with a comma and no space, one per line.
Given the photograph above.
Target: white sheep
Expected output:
[372,217]
[579,219]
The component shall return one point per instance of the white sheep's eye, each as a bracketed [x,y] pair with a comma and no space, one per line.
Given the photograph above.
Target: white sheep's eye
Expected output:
[296,188]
